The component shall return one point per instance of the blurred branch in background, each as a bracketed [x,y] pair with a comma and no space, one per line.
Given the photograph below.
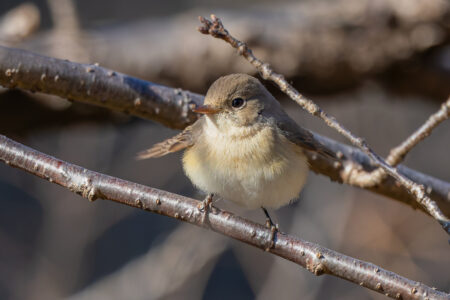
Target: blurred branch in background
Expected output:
[106,88]
[66,32]
[352,56]
[19,24]
[331,46]
[361,178]
[321,45]
[215,28]
[187,252]
[317,259]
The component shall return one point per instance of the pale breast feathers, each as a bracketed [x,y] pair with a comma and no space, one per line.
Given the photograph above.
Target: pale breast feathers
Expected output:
[246,165]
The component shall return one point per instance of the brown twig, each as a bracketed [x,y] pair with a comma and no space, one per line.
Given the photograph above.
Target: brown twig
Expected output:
[216,29]
[317,259]
[355,176]
[106,88]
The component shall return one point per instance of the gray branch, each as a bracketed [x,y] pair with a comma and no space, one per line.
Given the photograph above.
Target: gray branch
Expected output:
[99,86]
[215,28]
[315,258]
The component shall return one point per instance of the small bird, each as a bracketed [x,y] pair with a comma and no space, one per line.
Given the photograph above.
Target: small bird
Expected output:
[244,148]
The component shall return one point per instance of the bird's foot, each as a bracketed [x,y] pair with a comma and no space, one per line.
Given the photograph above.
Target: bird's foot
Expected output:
[273,229]
[205,206]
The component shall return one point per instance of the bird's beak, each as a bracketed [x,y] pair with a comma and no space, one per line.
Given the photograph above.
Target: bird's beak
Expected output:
[205,109]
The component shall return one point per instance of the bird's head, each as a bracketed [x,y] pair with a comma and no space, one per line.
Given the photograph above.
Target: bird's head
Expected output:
[237,99]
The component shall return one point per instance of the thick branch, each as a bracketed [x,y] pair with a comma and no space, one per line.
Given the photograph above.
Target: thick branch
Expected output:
[98,86]
[216,29]
[315,258]
[437,189]
[106,88]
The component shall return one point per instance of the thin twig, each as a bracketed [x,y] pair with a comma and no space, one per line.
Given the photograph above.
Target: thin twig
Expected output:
[355,176]
[317,259]
[113,90]
[216,29]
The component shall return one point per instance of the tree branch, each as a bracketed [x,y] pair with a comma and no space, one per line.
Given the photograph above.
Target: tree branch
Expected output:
[216,29]
[362,178]
[98,86]
[315,258]
[332,45]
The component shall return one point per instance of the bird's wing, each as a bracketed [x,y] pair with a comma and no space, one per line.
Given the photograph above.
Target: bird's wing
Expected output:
[184,139]
[303,138]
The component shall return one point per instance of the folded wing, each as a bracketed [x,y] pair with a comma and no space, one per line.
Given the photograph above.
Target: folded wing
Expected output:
[303,138]
[184,139]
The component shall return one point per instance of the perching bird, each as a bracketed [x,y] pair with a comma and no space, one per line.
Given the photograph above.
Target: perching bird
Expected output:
[244,148]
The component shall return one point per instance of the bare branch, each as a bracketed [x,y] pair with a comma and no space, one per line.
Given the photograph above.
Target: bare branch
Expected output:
[313,257]
[98,86]
[331,45]
[216,29]
[355,176]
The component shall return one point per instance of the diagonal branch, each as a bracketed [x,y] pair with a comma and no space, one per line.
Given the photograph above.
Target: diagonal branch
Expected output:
[362,178]
[315,258]
[102,87]
[216,29]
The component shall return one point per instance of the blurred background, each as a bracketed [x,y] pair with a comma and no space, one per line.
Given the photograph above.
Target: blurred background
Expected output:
[381,67]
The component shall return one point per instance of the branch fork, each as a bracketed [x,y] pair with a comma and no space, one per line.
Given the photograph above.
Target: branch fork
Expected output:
[215,28]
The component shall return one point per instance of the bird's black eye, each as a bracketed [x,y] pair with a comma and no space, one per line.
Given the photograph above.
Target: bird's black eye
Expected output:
[237,102]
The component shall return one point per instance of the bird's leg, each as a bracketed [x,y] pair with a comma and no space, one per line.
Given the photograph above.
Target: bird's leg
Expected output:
[269,223]
[207,202]
[273,228]
[206,205]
